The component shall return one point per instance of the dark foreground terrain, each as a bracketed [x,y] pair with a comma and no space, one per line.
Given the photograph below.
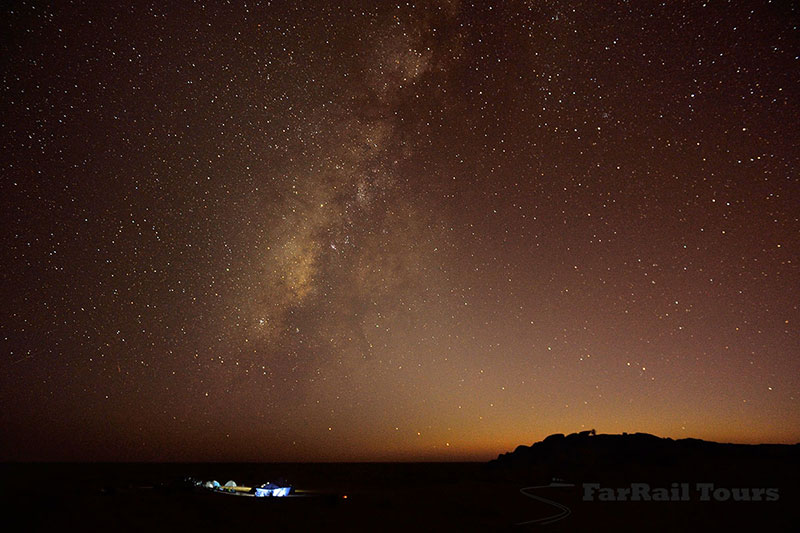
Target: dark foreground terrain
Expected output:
[620,483]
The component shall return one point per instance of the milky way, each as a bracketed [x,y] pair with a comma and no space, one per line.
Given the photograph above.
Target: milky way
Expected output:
[348,231]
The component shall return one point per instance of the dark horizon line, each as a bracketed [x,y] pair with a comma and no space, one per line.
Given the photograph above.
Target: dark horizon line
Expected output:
[420,460]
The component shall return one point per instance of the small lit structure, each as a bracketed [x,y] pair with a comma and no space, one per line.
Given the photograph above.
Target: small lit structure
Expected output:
[267,490]
[271,490]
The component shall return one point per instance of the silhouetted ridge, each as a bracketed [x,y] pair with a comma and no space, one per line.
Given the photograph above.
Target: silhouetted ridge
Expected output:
[581,456]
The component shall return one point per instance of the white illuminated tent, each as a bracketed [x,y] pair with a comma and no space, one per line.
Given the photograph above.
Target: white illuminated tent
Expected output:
[272,490]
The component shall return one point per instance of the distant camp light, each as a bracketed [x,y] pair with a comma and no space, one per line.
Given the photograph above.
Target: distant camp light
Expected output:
[267,490]
[272,491]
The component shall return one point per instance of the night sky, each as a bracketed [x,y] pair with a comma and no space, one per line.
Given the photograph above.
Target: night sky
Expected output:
[328,231]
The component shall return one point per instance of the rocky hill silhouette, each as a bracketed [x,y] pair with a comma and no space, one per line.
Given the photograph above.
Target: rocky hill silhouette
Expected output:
[641,456]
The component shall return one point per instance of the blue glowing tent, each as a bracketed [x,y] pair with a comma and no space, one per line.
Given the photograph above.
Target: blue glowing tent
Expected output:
[271,490]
